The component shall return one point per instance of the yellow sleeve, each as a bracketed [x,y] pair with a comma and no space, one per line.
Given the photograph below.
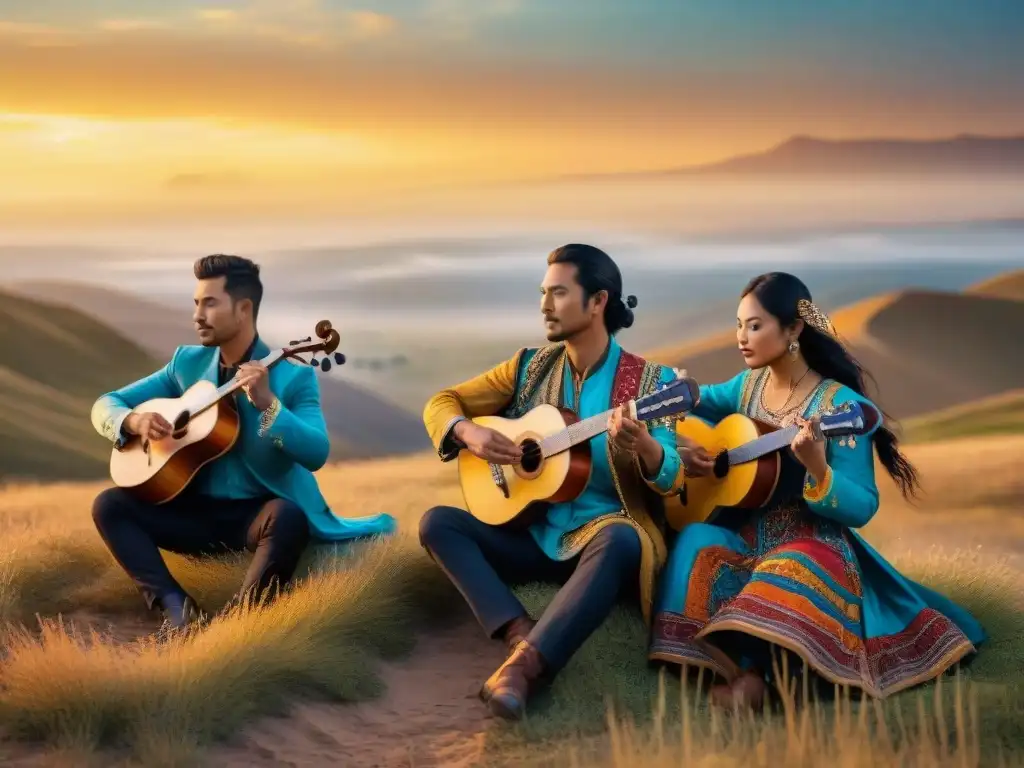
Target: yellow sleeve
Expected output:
[483,395]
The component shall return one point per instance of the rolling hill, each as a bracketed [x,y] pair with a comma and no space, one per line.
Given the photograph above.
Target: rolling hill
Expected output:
[1007,286]
[55,361]
[361,424]
[927,350]
[1001,414]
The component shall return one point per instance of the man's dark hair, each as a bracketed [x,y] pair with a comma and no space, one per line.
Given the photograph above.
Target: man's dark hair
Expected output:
[595,271]
[241,277]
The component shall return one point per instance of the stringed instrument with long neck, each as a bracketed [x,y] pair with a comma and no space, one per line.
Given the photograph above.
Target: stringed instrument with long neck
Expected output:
[556,461]
[747,460]
[205,426]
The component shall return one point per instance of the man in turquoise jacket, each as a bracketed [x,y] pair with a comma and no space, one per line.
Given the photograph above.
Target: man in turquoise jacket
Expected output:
[261,495]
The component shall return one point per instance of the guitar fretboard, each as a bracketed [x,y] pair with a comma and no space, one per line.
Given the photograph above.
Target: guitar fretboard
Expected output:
[763,445]
[575,434]
[228,387]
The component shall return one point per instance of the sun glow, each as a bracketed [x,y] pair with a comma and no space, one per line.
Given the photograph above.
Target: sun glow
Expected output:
[74,156]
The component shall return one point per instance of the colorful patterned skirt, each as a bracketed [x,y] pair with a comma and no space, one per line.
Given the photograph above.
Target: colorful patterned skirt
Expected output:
[789,578]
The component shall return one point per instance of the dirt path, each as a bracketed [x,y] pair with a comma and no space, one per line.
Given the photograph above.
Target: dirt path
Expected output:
[429,716]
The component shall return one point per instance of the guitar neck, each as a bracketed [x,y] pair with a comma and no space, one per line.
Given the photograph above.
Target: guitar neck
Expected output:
[577,433]
[230,387]
[763,445]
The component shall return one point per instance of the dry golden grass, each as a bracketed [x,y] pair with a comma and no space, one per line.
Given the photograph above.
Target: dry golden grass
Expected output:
[120,698]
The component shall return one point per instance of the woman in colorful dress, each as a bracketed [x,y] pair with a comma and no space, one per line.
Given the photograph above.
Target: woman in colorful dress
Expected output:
[794,578]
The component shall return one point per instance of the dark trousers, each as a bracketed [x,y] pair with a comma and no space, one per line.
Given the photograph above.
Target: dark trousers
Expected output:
[274,529]
[483,561]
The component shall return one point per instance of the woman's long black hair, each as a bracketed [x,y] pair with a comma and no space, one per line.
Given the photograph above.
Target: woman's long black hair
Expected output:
[778,293]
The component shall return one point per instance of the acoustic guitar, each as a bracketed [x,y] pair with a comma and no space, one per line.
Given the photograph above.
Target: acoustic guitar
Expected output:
[556,462]
[205,427]
[747,459]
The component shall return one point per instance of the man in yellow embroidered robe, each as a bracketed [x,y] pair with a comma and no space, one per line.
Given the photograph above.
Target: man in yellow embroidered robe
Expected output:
[608,538]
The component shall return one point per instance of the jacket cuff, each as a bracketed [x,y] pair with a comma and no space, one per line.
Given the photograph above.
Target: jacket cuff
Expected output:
[817,493]
[450,445]
[665,481]
[114,428]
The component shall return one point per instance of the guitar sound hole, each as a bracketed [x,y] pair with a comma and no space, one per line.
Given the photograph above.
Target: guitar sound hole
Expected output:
[531,456]
[181,423]
[721,468]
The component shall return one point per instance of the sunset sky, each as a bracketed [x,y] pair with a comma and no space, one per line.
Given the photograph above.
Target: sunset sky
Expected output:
[122,98]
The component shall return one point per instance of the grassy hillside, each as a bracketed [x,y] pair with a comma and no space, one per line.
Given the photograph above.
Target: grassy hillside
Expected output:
[361,424]
[54,361]
[997,415]
[927,350]
[374,615]
[1008,286]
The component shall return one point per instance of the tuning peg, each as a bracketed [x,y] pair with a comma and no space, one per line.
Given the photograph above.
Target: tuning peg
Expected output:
[315,363]
[325,366]
[339,358]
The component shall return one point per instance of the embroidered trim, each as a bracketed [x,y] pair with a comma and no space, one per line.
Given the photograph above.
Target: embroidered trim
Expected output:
[268,417]
[750,381]
[448,436]
[538,367]
[815,494]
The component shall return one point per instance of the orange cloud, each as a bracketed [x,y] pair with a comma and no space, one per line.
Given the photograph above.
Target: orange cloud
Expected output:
[129,25]
[371,24]
[295,22]
[216,14]
[32,35]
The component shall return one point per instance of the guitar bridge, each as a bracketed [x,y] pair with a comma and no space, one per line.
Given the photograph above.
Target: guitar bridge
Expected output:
[499,478]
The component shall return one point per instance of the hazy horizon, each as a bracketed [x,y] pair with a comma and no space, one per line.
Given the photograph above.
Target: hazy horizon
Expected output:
[449,306]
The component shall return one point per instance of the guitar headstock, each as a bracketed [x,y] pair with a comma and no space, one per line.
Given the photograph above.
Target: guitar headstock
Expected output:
[851,418]
[678,396]
[327,341]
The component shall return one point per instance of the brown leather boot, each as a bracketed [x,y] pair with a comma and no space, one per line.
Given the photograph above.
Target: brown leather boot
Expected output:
[748,691]
[516,631]
[507,690]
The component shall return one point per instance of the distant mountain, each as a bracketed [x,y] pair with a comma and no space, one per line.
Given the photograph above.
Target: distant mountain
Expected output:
[361,424]
[807,155]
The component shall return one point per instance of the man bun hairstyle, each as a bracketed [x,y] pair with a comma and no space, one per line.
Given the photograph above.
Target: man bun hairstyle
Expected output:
[595,271]
[241,277]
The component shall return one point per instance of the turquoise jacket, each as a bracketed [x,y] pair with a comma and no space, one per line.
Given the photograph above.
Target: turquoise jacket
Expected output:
[283,459]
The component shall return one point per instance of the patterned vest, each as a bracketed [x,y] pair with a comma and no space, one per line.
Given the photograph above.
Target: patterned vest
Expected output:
[641,508]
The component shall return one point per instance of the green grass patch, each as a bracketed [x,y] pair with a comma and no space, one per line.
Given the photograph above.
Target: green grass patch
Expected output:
[56,362]
[1000,415]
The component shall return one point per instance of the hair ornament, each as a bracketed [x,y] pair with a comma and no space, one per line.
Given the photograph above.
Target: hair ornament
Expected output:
[631,301]
[815,318]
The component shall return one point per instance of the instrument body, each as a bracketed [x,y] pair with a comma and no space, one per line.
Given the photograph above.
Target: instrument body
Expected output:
[158,471]
[556,464]
[748,461]
[205,424]
[558,478]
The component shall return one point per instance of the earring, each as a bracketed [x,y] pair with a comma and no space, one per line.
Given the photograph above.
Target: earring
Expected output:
[794,347]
